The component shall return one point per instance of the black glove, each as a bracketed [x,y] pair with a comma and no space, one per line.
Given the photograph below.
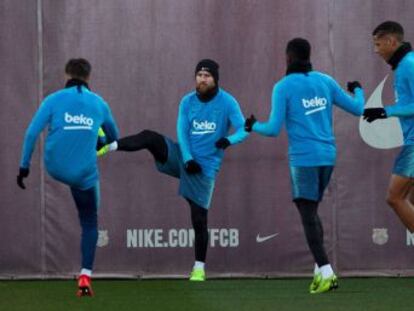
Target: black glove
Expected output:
[222,143]
[23,173]
[192,167]
[248,125]
[372,114]
[352,85]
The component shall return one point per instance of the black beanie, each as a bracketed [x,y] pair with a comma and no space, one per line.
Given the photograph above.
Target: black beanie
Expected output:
[299,49]
[210,66]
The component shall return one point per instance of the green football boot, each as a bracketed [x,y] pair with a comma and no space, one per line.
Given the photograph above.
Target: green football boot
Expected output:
[326,285]
[317,278]
[101,132]
[198,275]
[104,150]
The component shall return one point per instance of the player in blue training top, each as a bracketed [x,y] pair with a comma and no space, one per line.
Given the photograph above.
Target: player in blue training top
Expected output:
[304,100]
[204,119]
[389,44]
[73,116]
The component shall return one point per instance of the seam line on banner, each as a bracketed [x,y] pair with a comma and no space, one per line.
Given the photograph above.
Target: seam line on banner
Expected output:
[331,12]
[39,7]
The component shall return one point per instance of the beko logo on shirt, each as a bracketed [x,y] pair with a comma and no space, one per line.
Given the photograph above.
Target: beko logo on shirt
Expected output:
[77,122]
[316,103]
[203,127]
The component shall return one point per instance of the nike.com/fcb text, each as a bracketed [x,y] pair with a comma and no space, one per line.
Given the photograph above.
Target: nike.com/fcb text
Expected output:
[160,238]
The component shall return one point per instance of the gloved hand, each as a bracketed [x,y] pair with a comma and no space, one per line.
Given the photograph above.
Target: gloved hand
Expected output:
[248,125]
[352,85]
[222,143]
[23,173]
[372,114]
[192,167]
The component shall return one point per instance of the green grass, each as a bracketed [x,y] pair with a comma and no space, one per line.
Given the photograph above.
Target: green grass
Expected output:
[362,294]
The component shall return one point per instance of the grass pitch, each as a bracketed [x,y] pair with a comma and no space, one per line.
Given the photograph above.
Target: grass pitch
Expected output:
[359,294]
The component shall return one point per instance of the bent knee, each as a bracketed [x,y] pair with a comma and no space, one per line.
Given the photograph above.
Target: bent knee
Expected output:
[394,201]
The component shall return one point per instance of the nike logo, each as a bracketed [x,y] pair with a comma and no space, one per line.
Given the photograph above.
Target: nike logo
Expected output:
[384,133]
[261,239]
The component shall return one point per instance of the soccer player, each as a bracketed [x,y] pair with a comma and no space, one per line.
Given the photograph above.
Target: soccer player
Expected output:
[304,100]
[204,119]
[389,43]
[73,116]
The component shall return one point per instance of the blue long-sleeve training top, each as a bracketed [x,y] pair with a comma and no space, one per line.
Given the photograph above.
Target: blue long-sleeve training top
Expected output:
[304,102]
[200,125]
[404,97]
[73,119]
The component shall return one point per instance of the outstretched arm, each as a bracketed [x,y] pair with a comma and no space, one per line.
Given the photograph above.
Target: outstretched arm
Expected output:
[396,110]
[353,105]
[277,115]
[38,123]
[406,110]
[237,122]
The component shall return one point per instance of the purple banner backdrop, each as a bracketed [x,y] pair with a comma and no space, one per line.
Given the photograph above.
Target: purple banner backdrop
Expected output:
[21,216]
[143,55]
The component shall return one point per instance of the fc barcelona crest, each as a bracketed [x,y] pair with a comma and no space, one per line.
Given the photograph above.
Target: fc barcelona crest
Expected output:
[380,236]
[103,238]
